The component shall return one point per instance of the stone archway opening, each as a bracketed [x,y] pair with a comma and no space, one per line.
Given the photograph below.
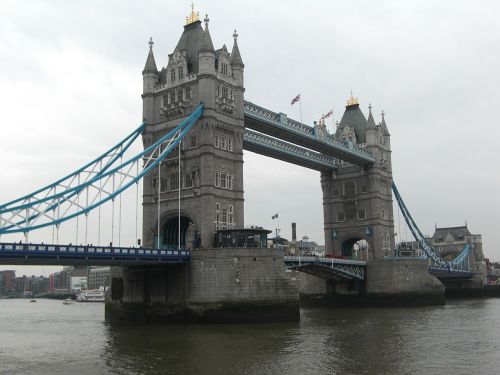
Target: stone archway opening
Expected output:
[355,247]
[170,232]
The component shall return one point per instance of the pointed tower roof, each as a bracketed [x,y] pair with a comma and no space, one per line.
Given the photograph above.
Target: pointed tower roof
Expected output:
[235,53]
[190,40]
[206,42]
[355,118]
[371,121]
[383,125]
[150,66]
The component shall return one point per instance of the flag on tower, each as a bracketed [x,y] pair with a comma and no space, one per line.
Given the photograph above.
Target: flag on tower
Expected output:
[295,100]
[274,216]
[328,114]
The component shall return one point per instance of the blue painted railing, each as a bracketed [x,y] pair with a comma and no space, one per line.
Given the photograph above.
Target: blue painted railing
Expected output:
[50,253]
[281,121]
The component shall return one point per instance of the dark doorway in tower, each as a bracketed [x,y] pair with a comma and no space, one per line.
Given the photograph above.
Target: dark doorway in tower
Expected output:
[171,232]
[355,248]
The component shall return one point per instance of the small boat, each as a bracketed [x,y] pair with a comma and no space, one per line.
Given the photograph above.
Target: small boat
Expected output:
[68,301]
[33,300]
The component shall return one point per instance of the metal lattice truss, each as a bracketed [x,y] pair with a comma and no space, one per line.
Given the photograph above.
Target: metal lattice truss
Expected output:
[258,142]
[322,267]
[459,263]
[281,121]
[94,184]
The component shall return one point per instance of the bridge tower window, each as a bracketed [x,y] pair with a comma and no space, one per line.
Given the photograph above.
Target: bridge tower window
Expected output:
[229,144]
[174,181]
[180,71]
[350,189]
[188,180]
[340,216]
[172,75]
[193,142]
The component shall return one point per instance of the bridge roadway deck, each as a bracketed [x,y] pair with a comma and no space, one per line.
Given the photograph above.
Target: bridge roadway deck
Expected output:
[36,254]
[278,149]
[280,126]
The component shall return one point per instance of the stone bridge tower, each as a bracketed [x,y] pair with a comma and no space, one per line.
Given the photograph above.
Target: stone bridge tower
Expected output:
[357,201]
[211,155]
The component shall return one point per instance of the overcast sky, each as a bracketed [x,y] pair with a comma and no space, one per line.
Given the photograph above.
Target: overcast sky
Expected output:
[70,80]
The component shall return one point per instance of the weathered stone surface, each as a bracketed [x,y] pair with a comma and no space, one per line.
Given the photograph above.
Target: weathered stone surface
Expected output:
[218,285]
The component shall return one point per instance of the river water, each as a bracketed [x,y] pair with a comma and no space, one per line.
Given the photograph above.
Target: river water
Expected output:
[47,337]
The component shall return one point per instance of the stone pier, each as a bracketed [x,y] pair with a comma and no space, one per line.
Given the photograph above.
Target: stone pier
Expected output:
[218,285]
[399,282]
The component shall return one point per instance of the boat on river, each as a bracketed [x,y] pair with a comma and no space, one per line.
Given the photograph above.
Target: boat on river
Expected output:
[91,295]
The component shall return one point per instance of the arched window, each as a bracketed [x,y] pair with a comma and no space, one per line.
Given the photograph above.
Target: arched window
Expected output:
[350,189]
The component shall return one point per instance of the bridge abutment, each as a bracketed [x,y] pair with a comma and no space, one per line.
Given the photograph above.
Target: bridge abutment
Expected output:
[218,285]
[399,282]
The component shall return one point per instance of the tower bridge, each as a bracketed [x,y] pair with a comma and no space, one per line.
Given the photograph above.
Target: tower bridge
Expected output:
[196,126]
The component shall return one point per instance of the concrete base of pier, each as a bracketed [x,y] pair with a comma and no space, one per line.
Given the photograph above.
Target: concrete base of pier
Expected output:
[399,282]
[217,286]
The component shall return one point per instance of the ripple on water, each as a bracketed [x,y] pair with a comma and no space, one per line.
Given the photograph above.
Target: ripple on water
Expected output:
[462,337]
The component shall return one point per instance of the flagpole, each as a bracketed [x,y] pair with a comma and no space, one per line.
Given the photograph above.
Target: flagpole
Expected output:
[300,107]
[278,218]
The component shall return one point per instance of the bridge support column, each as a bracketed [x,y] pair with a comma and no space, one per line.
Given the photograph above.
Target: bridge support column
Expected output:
[218,285]
[402,282]
[399,282]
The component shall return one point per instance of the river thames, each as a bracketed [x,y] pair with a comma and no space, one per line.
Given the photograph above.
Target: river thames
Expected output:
[47,337]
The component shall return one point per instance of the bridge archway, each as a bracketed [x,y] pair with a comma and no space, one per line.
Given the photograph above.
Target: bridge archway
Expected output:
[170,232]
[355,247]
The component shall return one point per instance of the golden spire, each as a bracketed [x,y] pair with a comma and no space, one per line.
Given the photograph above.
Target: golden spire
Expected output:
[352,100]
[193,17]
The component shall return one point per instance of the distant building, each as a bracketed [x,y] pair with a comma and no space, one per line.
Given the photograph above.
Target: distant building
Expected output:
[449,242]
[78,283]
[98,277]
[307,247]
[7,281]
[31,285]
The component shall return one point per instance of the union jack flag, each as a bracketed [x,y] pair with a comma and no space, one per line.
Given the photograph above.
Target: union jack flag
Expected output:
[296,99]
[328,114]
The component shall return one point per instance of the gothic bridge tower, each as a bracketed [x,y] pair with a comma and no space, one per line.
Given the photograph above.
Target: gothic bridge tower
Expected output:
[211,154]
[357,201]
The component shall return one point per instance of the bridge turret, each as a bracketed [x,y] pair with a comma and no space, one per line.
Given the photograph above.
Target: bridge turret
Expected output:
[207,68]
[149,79]
[237,68]
[371,129]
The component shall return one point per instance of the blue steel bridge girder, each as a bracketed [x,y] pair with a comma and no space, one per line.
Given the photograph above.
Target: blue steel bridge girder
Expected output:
[346,269]
[280,126]
[48,206]
[278,149]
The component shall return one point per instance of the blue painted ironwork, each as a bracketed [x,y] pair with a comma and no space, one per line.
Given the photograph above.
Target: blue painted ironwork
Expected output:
[281,121]
[21,253]
[34,211]
[459,263]
[345,268]
[253,140]
[95,167]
